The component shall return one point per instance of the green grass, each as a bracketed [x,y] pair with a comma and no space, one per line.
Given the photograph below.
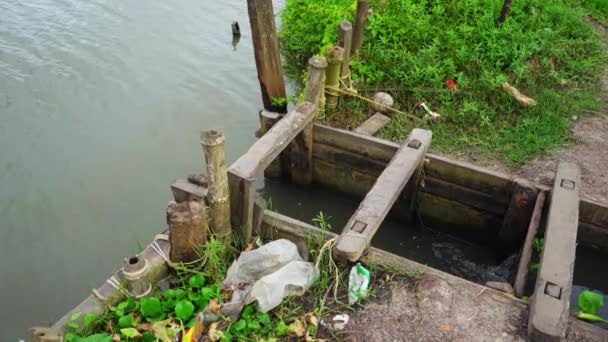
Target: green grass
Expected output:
[547,49]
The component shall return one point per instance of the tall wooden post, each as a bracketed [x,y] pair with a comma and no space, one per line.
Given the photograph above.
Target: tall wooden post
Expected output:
[219,194]
[267,55]
[345,37]
[335,57]
[300,149]
[506,7]
[360,18]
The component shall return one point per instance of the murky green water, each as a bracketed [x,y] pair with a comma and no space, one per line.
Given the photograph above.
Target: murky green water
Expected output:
[101,103]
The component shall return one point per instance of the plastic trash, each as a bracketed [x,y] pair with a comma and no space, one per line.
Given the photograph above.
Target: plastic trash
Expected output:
[338,322]
[265,275]
[358,281]
[292,279]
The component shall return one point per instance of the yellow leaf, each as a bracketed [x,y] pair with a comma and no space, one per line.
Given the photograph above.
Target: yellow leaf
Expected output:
[214,306]
[214,334]
[297,328]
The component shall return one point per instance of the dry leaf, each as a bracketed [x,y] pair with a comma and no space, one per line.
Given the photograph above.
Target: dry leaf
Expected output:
[144,326]
[297,328]
[227,293]
[521,98]
[250,246]
[214,306]
[312,319]
[214,334]
[116,338]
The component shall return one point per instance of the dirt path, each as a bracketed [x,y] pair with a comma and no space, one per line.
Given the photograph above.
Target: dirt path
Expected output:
[590,153]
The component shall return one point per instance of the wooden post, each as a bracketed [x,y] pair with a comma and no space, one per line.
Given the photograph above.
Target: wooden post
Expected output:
[219,194]
[506,8]
[345,37]
[267,54]
[187,230]
[300,149]
[360,18]
[335,56]
[135,270]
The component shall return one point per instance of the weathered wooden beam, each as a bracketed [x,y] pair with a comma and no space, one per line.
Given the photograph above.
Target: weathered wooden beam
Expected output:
[269,146]
[242,197]
[335,57]
[360,18]
[299,156]
[549,307]
[362,226]
[267,54]
[517,217]
[521,276]
[345,40]
[267,120]
[183,190]
[372,125]
[219,194]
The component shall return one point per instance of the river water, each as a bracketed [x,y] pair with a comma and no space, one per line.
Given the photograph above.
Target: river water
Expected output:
[101,104]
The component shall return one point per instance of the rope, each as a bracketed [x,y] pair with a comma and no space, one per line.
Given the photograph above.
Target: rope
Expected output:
[328,246]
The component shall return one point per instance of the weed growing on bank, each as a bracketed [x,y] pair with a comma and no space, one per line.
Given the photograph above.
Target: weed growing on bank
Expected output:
[548,50]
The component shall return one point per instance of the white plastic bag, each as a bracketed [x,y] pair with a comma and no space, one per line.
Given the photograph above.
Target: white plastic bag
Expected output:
[292,279]
[253,265]
[358,281]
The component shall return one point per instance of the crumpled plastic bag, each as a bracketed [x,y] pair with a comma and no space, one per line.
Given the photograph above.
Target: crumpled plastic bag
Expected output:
[265,275]
[292,279]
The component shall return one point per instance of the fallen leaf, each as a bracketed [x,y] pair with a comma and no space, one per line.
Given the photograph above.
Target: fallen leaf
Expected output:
[116,338]
[297,328]
[227,293]
[312,319]
[250,246]
[214,306]
[214,334]
[144,326]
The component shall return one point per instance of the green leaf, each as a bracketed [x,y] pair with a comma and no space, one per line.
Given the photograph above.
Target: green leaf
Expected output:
[69,337]
[590,302]
[75,316]
[193,296]
[94,338]
[239,325]
[591,317]
[281,329]
[254,325]
[180,294]
[88,319]
[184,309]
[263,317]
[169,294]
[147,336]
[74,325]
[126,321]
[150,307]
[130,332]
[207,292]
[197,281]
[247,312]
[202,303]
[191,322]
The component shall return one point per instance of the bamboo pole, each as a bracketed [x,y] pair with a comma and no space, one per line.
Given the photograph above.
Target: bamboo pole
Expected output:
[335,57]
[345,38]
[300,149]
[219,194]
[267,54]
[360,18]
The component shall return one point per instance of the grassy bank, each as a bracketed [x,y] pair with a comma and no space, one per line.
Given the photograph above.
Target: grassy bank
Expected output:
[548,50]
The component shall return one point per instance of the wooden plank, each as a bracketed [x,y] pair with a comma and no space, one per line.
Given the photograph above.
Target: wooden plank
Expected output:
[362,226]
[521,276]
[549,308]
[299,155]
[183,191]
[372,125]
[242,197]
[470,197]
[349,159]
[517,217]
[455,218]
[366,146]
[267,119]
[594,212]
[267,54]
[269,146]
[342,178]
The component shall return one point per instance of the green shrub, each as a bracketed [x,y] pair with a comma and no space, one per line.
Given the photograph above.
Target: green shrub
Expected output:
[548,50]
